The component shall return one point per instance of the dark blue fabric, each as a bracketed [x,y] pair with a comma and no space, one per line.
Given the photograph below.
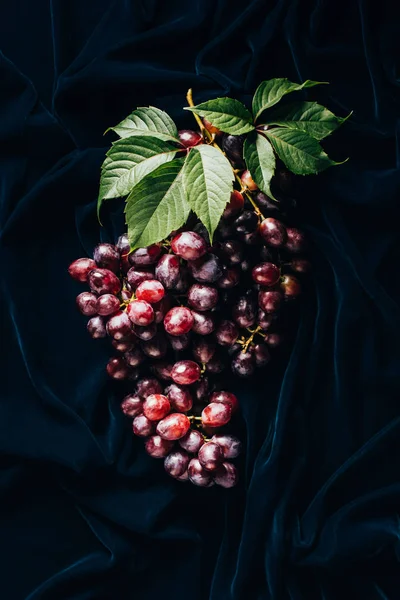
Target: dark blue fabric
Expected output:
[85,514]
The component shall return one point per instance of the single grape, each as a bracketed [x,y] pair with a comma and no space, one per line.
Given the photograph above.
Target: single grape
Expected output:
[185,372]
[229,444]
[234,206]
[134,357]
[274,340]
[140,312]
[145,256]
[142,426]
[216,414]
[243,364]
[202,297]
[189,245]
[227,475]
[123,247]
[266,204]
[148,386]
[295,240]
[173,427]
[123,346]
[227,333]
[210,456]
[179,342]
[135,278]
[162,370]
[178,321]
[145,333]
[225,230]
[87,303]
[96,327]
[232,145]
[226,397]
[201,389]
[157,447]
[104,281]
[290,286]
[263,320]
[107,304]
[176,463]
[269,301]
[151,291]
[131,405]
[198,474]
[183,281]
[230,278]
[261,354]
[156,347]
[126,293]
[266,274]
[232,252]
[156,407]
[189,138]
[247,222]
[244,312]
[161,308]
[273,232]
[215,365]
[107,256]
[168,271]
[206,269]
[300,265]
[211,128]
[117,368]
[180,397]
[203,323]
[203,350]
[80,269]
[248,182]
[192,441]
[119,326]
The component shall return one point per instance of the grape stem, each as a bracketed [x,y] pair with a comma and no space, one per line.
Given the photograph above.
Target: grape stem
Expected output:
[206,134]
[249,340]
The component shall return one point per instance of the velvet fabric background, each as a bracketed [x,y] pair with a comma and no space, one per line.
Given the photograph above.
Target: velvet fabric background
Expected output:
[85,514]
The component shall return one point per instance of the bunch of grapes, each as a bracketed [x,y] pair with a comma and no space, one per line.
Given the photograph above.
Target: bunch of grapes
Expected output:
[180,312]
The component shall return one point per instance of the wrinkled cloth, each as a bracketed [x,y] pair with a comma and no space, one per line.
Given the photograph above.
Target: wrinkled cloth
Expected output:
[85,513]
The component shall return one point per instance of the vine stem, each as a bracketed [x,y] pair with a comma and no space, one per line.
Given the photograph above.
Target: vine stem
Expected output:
[250,339]
[204,131]
[249,198]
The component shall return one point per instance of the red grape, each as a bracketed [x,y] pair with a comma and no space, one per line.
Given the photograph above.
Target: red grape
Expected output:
[107,256]
[290,286]
[243,364]
[201,389]
[263,320]
[266,274]
[117,368]
[80,269]
[232,145]
[145,333]
[227,333]
[146,387]
[162,369]
[229,444]
[215,365]
[96,326]
[156,407]
[234,206]
[179,342]
[178,320]
[206,269]
[107,304]
[198,474]
[156,347]
[135,278]
[230,278]
[226,397]
[173,427]
[227,475]
[123,346]
[189,245]
[202,297]
[273,232]
[210,456]
[140,312]
[131,405]
[203,350]
[103,281]
[261,354]
[176,463]
[246,223]
[185,372]
[203,323]
[295,240]
[134,357]
[157,447]
[269,301]
[142,426]
[151,291]
[192,441]
[232,252]
[274,340]
[211,128]
[119,325]
[86,303]
[161,308]
[180,398]
[216,414]
[244,312]
[168,271]
[189,138]
[145,256]
[248,182]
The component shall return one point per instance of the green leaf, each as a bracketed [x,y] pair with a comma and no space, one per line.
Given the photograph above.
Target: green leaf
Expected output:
[310,117]
[260,161]
[301,153]
[270,92]
[129,160]
[147,121]
[230,116]
[157,205]
[208,180]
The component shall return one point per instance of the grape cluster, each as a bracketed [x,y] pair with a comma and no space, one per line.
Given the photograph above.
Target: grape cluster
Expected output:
[179,312]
